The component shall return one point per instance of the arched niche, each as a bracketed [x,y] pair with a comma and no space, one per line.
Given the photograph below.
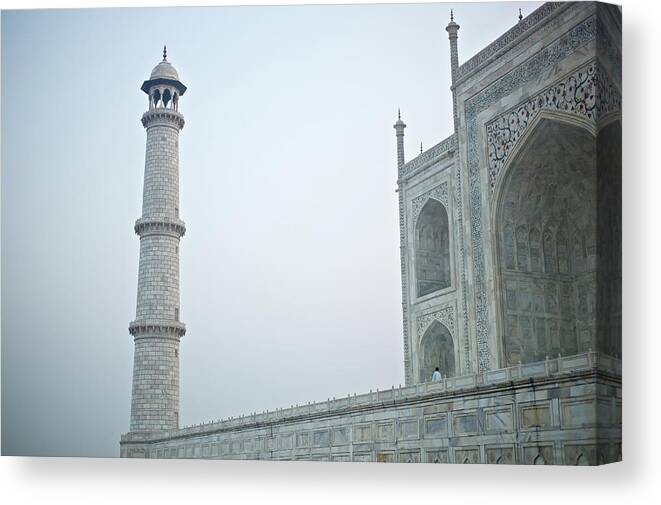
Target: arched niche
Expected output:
[539,460]
[581,460]
[545,226]
[156,98]
[167,97]
[432,249]
[436,350]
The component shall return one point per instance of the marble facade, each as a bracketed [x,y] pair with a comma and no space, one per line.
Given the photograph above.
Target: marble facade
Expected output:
[510,235]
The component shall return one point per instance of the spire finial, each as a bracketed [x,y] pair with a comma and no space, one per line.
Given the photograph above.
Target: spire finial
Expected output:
[520,14]
[451,15]
[420,147]
[399,114]
[165,53]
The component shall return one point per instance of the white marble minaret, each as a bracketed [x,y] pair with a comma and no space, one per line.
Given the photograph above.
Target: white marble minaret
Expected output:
[453,29]
[157,329]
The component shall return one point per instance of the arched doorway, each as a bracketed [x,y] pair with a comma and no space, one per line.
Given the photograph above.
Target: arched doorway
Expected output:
[436,350]
[546,227]
[432,249]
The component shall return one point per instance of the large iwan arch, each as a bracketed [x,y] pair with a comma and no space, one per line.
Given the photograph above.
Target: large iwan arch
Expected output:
[546,231]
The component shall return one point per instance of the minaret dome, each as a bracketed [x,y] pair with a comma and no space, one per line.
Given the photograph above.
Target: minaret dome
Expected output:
[163,86]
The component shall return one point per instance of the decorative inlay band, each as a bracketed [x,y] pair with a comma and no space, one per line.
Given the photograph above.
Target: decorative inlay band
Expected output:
[163,116]
[468,366]
[444,146]
[439,193]
[408,375]
[444,315]
[157,327]
[146,226]
[507,38]
[586,93]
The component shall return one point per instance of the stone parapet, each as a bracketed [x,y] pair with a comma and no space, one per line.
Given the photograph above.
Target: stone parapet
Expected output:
[551,369]
[565,410]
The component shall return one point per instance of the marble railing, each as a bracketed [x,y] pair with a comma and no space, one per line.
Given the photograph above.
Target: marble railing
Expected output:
[549,368]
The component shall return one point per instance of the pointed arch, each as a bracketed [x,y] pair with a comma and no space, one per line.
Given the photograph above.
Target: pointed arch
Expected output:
[167,97]
[535,242]
[548,245]
[432,248]
[156,98]
[577,251]
[522,248]
[436,350]
[563,251]
[546,196]
[581,460]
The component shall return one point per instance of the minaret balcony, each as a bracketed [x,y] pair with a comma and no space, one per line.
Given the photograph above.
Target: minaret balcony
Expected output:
[163,116]
[172,227]
[163,328]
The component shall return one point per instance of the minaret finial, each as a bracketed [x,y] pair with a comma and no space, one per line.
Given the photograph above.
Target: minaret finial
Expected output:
[451,15]
[399,129]
[420,147]
[520,14]
[165,53]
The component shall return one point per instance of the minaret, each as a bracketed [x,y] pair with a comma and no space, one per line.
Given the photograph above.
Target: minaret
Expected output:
[401,188]
[453,28]
[157,329]
[399,132]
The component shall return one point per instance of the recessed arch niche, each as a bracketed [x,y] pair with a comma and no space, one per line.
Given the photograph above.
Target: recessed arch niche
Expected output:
[436,350]
[546,229]
[432,248]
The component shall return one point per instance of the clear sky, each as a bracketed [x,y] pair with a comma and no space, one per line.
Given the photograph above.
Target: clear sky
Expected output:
[290,280]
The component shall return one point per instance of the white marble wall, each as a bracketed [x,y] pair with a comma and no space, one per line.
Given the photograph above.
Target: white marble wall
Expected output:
[554,412]
[561,63]
[562,410]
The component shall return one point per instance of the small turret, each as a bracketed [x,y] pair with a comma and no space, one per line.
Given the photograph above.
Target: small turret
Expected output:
[163,86]
[399,132]
[453,29]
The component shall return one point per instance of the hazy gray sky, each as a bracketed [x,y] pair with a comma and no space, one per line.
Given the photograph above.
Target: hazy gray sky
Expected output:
[290,283]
